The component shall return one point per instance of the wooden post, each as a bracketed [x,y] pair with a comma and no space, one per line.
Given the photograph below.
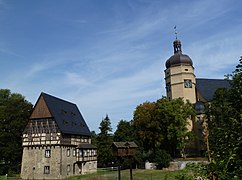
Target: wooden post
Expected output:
[119,169]
[131,173]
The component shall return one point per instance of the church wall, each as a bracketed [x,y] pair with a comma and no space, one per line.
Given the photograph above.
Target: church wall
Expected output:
[176,76]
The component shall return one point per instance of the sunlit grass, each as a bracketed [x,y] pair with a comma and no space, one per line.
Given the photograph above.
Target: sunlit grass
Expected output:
[138,174]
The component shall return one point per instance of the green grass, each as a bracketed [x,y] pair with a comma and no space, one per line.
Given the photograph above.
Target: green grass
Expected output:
[138,174]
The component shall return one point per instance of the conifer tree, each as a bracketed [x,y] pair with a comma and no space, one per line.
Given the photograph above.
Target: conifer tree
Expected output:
[104,142]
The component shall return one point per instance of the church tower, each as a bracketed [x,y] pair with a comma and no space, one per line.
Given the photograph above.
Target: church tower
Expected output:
[179,75]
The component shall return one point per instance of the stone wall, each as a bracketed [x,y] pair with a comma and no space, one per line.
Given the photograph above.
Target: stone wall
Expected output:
[62,163]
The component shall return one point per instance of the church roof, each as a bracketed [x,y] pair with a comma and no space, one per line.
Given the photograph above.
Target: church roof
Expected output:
[178,58]
[66,115]
[207,87]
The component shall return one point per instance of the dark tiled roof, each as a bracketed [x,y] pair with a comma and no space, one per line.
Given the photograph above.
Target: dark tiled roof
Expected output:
[207,87]
[66,115]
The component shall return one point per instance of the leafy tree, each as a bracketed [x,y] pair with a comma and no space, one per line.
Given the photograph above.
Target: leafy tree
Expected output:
[147,128]
[174,116]
[162,158]
[225,124]
[104,142]
[124,132]
[14,113]
[163,125]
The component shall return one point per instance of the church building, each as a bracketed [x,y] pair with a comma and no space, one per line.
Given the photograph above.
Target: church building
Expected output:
[56,141]
[181,82]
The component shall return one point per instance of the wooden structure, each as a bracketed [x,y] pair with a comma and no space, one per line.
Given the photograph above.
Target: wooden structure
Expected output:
[124,149]
[56,141]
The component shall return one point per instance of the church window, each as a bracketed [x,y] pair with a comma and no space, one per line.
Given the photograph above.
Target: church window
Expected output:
[68,152]
[46,169]
[47,153]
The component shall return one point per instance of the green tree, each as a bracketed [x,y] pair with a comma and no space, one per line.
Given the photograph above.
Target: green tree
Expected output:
[104,142]
[175,116]
[94,138]
[147,127]
[14,113]
[163,125]
[124,132]
[225,124]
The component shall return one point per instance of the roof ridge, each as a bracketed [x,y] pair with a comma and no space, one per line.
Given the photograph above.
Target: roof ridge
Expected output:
[45,94]
[213,79]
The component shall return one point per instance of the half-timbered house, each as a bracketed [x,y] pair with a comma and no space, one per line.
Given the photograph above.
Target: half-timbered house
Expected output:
[56,141]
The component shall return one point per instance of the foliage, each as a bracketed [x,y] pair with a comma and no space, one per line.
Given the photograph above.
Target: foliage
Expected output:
[94,138]
[225,124]
[174,116]
[194,171]
[104,141]
[124,132]
[14,113]
[163,125]
[162,158]
[147,128]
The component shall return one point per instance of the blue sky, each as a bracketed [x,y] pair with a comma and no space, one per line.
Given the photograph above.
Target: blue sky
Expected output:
[108,56]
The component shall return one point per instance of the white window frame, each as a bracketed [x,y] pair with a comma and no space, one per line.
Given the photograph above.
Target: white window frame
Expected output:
[68,152]
[46,169]
[47,153]
[74,152]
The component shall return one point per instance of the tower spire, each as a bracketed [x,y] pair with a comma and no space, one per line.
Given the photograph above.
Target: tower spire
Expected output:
[176,43]
[175,31]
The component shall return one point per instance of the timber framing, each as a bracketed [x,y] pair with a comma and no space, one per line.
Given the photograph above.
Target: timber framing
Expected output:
[56,141]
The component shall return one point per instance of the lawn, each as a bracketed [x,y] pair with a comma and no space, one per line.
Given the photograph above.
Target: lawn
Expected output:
[138,174]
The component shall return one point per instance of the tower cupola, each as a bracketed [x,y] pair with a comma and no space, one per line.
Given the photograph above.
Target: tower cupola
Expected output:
[178,58]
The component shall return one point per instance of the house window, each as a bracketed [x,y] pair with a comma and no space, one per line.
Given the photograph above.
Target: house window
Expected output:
[47,153]
[85,152]
[68,152]
[68,168]
[46,169]
[80,153]
[74,152]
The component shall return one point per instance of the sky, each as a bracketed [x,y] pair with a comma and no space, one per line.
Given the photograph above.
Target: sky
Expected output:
[108,56]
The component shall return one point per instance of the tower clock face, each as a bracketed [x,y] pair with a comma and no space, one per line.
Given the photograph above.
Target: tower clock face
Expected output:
[187,83]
